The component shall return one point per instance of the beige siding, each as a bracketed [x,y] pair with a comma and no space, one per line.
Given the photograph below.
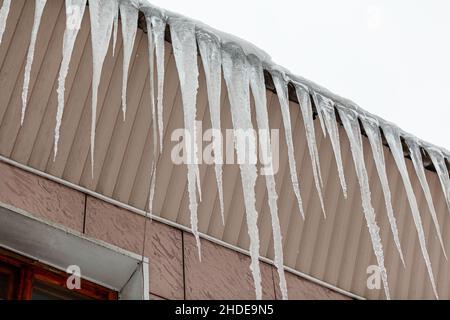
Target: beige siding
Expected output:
[336,250]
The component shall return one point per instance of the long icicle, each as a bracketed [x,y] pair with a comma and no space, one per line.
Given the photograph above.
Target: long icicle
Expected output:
[151,63]
[185,51]
[258,87]
[212,64]
[319,111]
[4,13]
[129,16]
[236,75]
[158,30]
[38,10]
[307,113]
[116,26]
[326,108]
[74,16]
[416,156]
[283,97]
[393,137]
[102,13]
[373,133]
[441,168]
[350,120]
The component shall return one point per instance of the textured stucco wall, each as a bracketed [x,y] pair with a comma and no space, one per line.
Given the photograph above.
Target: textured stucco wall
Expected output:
[175,270]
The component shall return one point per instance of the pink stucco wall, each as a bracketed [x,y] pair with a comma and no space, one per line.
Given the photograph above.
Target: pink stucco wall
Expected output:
[175,270]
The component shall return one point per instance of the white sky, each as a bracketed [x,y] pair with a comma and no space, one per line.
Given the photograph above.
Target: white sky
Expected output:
[392,57]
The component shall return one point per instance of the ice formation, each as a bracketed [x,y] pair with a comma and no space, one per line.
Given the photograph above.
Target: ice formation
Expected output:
[158,31]
[373,133]
[392,135]
[102,13]
[116,26]
[438,160]
[242,65]
[38,11]
[151,63]
[257,85]
[74,16]
[350,121]
[129,17]
[325,107]
[185,51]
[4,12]
[236,73]
[209,47]
[283,96]
[416,156]
[308,120]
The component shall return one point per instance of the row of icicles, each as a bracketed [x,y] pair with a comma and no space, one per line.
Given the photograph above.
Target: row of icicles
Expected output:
[242,73]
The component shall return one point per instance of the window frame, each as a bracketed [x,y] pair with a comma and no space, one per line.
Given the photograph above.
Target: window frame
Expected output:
[26,271]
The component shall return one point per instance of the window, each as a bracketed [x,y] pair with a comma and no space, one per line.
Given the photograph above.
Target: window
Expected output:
[25,279]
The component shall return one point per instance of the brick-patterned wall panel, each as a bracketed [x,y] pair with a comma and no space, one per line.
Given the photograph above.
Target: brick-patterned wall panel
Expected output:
[303,289]
[222,273]
[41,197]
[126,230]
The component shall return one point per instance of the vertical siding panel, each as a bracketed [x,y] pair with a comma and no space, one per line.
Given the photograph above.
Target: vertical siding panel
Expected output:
[290,206]
[10,125]
[77,100]
[121,132]
[140,191]
[107,115]
[334,197]
[16,11]
[312,207]
[306,248]
[43,148]
[42,93]
[80,149]
[12,66]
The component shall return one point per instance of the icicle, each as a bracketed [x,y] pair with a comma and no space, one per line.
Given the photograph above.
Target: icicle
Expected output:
[212,63]
[319,112]
[102,14]
[373,133]
[38,10]
[283,96]
[151,63]
[4,13]
[326,107]
[116,26]
[74,16]
[416,157]
[351,125]
[393,137]
[258,87]
[152,188]
[306,108]
[236,75]
[185,52]
[158,30]
[129,16]
[441,168]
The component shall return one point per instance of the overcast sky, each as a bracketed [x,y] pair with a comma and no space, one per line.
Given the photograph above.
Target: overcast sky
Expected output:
[392,57]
